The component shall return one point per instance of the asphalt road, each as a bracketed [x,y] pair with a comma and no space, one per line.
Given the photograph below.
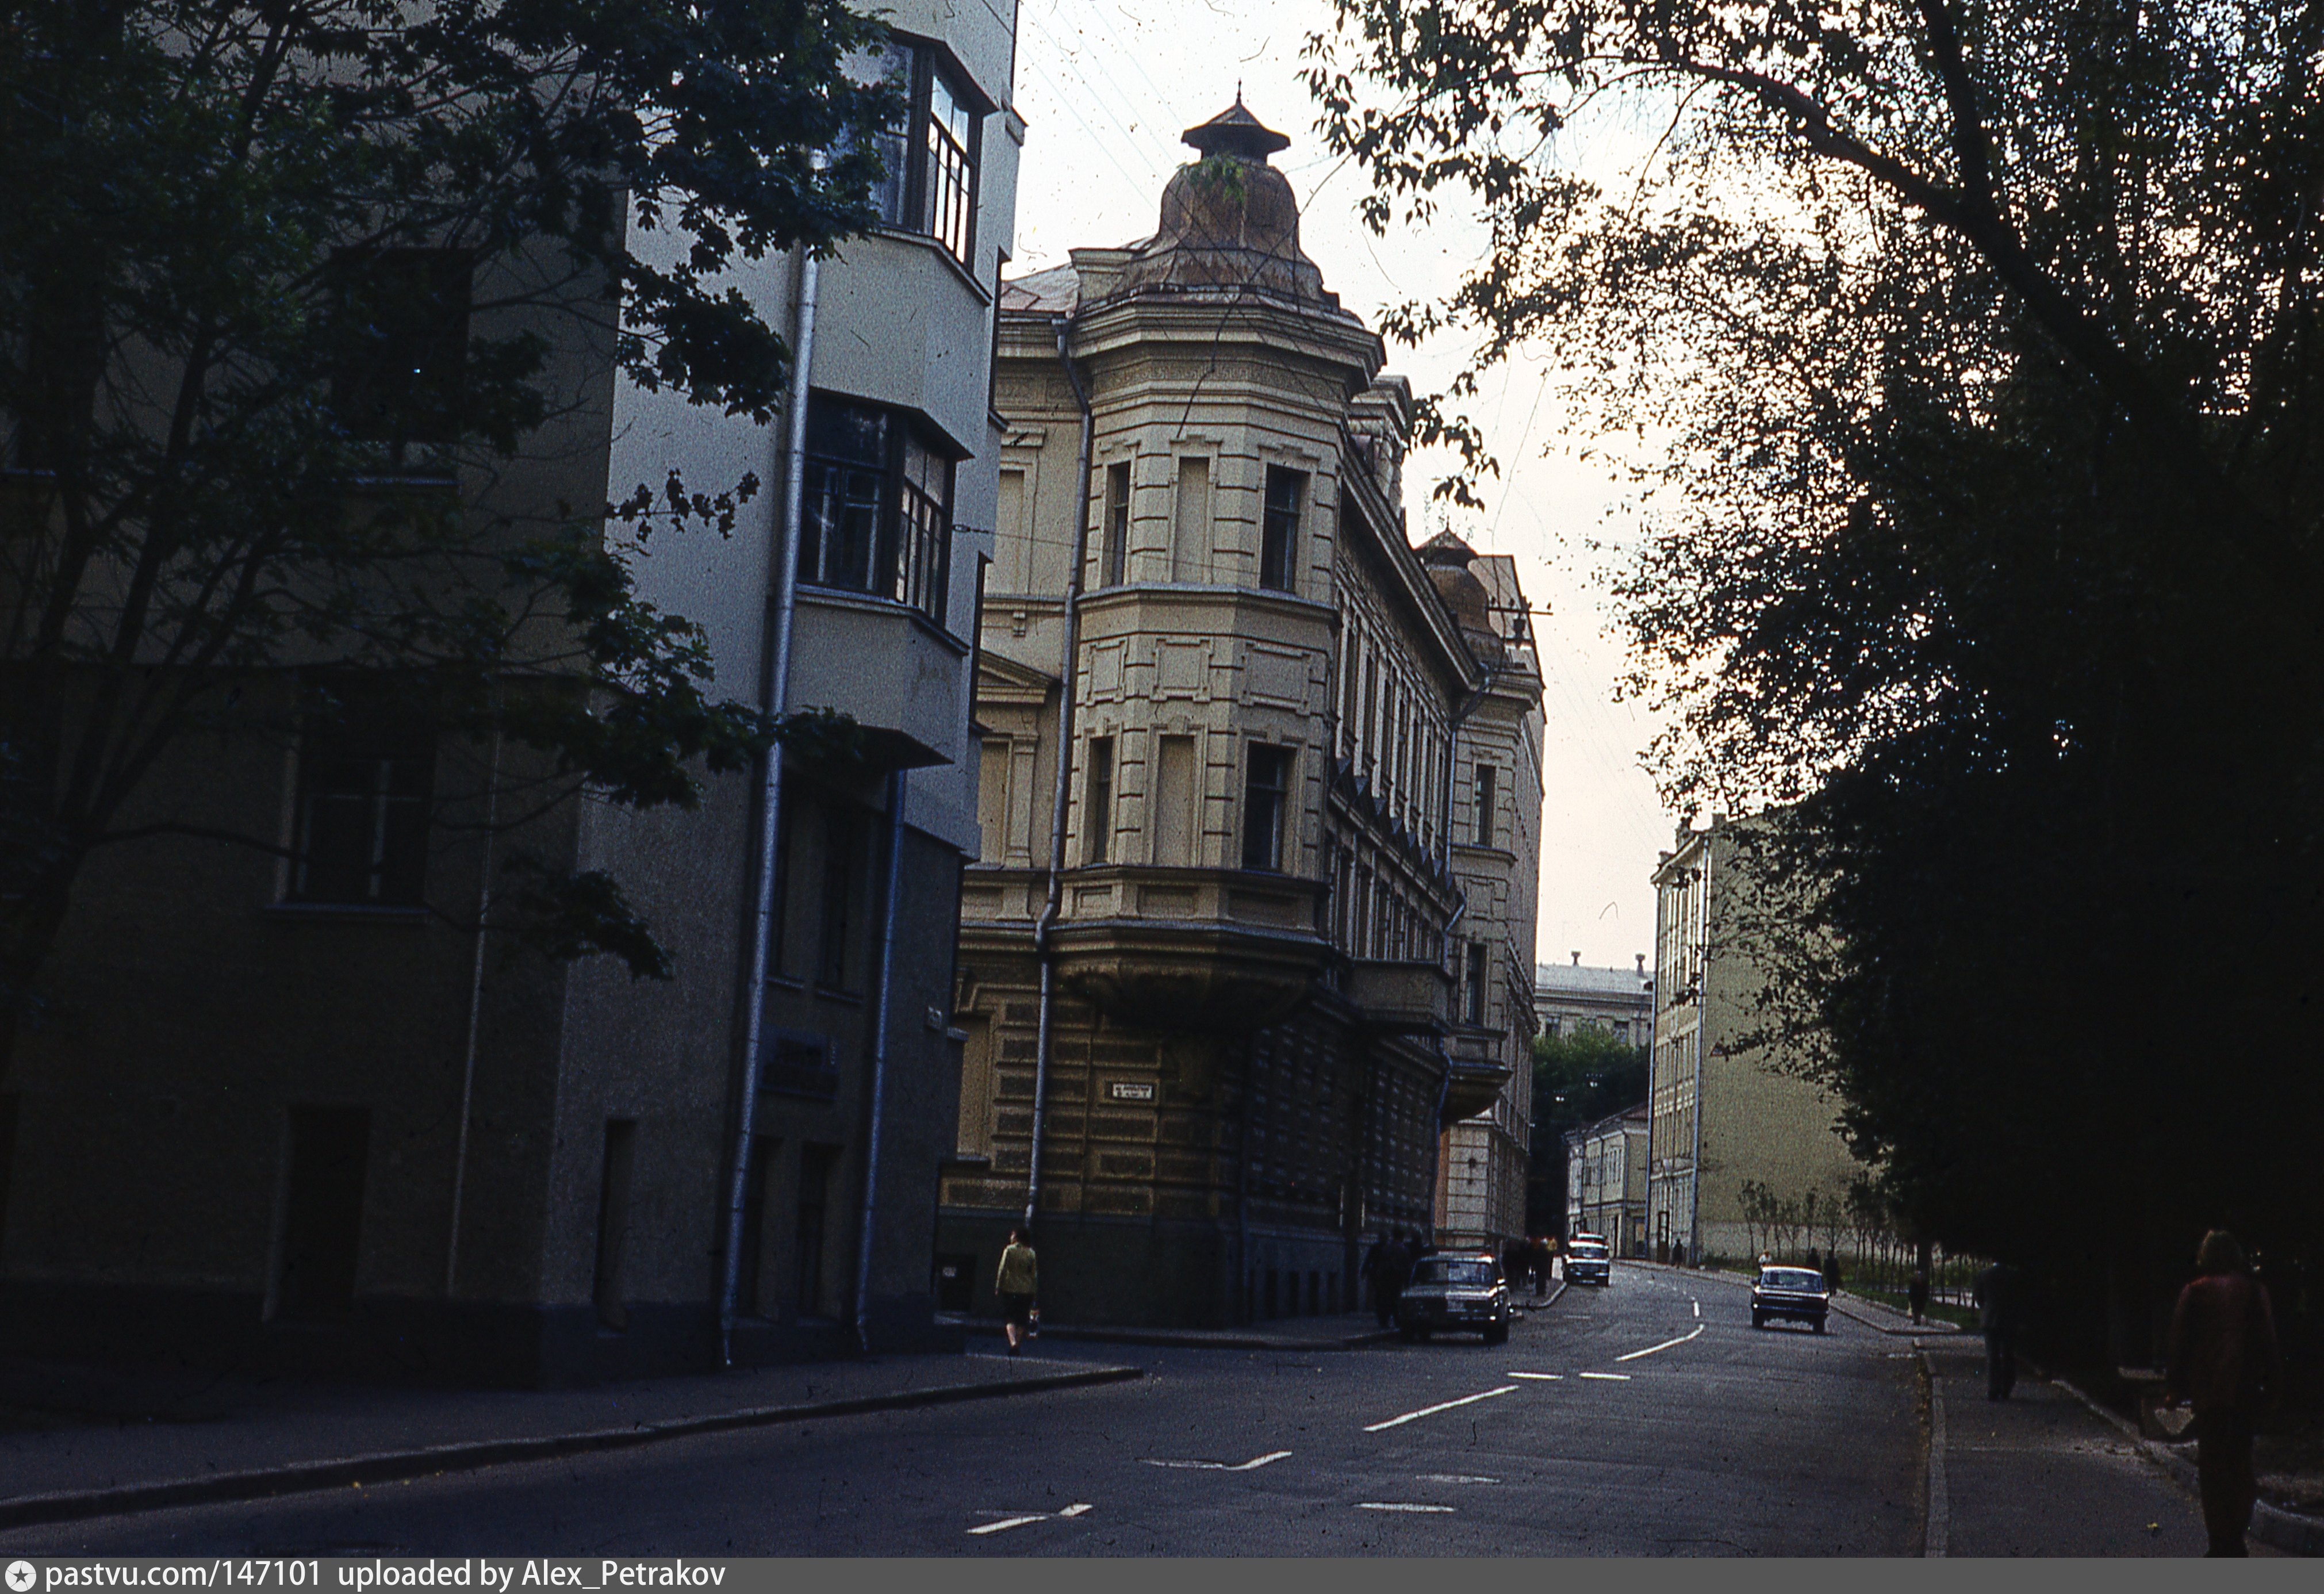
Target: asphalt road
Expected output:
[1644,1419]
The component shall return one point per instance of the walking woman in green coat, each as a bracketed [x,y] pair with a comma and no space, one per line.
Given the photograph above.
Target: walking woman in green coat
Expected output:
[1018,1281]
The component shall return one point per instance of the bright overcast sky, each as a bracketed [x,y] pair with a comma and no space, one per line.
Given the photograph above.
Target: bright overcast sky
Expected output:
[1106,87]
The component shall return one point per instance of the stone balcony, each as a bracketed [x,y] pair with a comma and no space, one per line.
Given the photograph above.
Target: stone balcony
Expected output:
[1401,997]
[1472,1059]
[886,666]
[1214,949]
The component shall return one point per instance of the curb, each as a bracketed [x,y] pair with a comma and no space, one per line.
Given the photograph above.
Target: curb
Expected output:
[1932,1328]
[396,1466]
[2271,1526]
[1186,1339]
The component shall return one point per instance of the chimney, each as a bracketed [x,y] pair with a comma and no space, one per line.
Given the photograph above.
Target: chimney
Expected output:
[1642,964]
[1577,960]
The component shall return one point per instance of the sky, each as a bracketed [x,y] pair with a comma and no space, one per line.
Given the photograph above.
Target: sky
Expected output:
[1105,88]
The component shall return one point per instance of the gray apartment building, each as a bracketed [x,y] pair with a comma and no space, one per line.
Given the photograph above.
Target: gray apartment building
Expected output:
[339,1126]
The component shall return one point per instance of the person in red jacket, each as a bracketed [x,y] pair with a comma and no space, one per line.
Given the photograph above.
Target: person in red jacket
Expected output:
[2223,1358]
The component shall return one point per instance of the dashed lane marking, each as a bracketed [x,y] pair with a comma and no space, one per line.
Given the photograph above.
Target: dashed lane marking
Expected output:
[1698,1307]
[1006,1522]
[1398,1505]
[1551,1377]
[1610,1377]
[1650,1349]
[1452,1478]
[1442,1406]
[1253,1465]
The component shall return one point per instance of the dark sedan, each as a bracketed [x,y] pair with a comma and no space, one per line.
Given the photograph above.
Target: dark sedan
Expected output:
[1796,1293]
[1462,1294]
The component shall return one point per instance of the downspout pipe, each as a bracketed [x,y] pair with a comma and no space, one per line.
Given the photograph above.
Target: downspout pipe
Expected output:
[785,607]
[880,1021]
[1701,1021]
[1055,899]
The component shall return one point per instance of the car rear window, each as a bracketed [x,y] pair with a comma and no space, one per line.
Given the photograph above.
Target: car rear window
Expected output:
[1791,1278]
[1437,1270]
[1589,1249]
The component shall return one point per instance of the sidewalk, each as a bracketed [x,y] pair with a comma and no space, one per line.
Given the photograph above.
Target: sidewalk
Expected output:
[139,1442]
[1338,1331]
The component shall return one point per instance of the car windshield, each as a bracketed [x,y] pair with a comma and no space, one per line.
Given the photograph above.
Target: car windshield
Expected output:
[1791,1278]
[1454,1270]
[1591,1248]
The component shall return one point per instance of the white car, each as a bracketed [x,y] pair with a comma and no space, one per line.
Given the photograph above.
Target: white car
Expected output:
[1589,1259]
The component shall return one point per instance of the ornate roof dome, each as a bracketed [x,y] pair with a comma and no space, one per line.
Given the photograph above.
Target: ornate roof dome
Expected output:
[1229,220]
[1446,558]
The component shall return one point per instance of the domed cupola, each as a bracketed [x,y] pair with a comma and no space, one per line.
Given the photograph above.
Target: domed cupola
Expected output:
[1446,558]
[1229,220]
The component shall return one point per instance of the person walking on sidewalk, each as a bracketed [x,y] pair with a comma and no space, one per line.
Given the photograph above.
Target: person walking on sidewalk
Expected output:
[2224,1358]
[1999,1313]
[1916,1294]
[1018,1281]
[1376,1270]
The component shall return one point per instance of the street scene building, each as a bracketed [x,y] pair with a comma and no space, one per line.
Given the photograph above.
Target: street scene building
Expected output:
[1732,1135]
[343,1128]
[1233,912]
[1620,1002]
[1606,1179]
[1497,867]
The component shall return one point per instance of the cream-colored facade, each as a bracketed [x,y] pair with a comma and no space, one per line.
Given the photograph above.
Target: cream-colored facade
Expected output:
[1497,863]
[1243,967]
[1606,1179]
[1727,1115]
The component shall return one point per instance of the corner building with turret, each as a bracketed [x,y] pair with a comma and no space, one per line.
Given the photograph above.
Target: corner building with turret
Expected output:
[1236,918]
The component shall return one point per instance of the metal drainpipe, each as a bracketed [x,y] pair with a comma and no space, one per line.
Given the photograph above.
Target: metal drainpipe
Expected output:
[879,1061]
[1055,898]
[770,801]
[475,1007]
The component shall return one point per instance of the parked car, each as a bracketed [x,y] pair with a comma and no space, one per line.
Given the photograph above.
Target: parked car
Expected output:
[1796,1293]
[1455,1294]
[1589,1259]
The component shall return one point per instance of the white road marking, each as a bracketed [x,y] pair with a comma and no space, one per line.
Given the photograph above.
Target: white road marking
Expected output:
[1610,1377]
[1444,1405]
[1452,1478]
[1552,1377]
[1396,1506]
[1253,1465]
[1650,1349]
[1698,1308]
[1006,1522]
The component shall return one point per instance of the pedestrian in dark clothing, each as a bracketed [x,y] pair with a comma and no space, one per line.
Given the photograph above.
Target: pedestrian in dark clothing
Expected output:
[2224,1358]
[1831,1273]
[1916,1292]
[1815,1260]
[2000,1308]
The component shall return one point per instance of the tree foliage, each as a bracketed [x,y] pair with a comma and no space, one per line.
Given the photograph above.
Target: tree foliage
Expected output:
[299,301]
[1978,350]
[1578,1076]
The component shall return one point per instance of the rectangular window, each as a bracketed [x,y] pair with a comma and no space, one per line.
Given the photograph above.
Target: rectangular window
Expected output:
[403,348]
[1267,789]
[614,1222]
[1278,540]
[749,1291]
[1475,1007]
[929,182]
[366,773]
[816,1164]
[799,1065]
[1174,817]
[878,506]
[1117,524]
[842,915]
[992,802]
[1484,805]
[1097,802]
[322,1213]
[1190,530]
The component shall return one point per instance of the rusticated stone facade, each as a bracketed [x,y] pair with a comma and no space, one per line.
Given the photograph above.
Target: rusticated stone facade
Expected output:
[1259,686]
